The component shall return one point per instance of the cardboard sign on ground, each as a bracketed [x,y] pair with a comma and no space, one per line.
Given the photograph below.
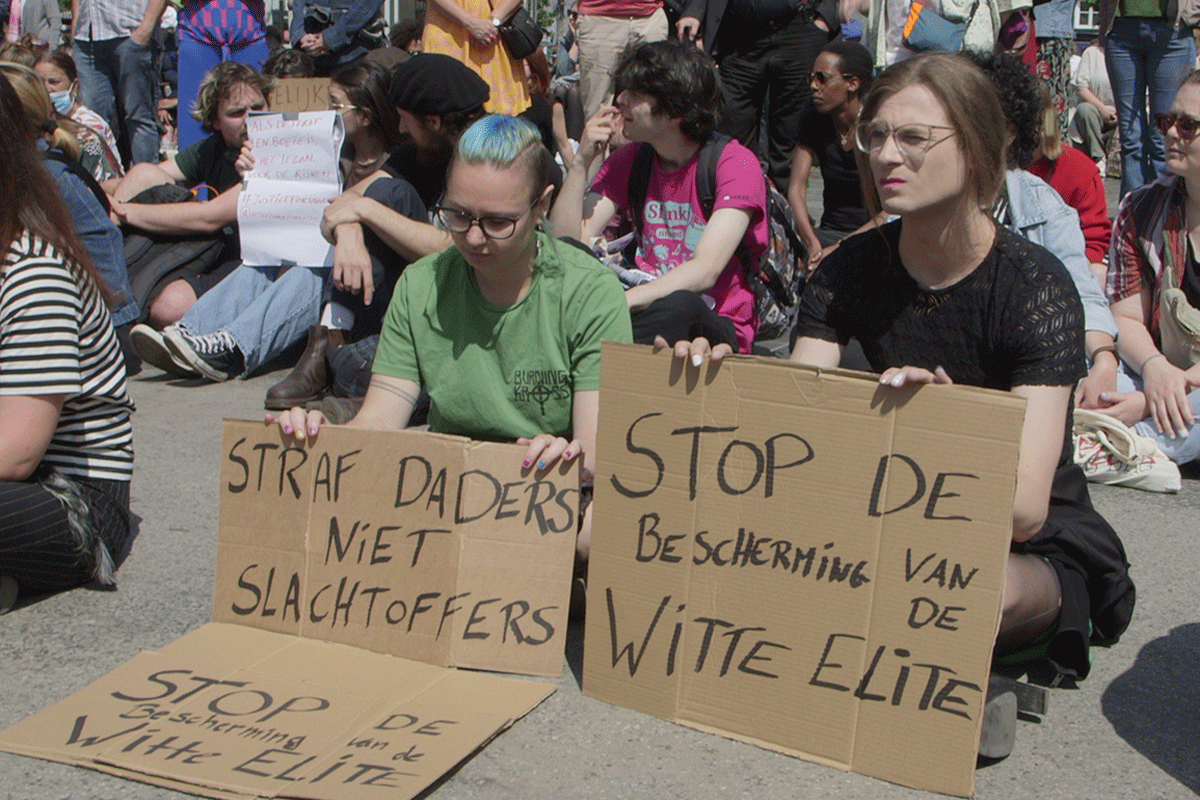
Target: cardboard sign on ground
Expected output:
[300,94]
[435,548]
[233,712]
[429,547]
[801,559]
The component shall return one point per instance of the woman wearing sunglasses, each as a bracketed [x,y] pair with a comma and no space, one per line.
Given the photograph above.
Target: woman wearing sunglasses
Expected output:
[945,295]
[1154,281]
[504,328]
[840,77]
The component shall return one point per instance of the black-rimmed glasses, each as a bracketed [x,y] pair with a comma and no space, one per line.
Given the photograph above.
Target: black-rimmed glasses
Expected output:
[493,226]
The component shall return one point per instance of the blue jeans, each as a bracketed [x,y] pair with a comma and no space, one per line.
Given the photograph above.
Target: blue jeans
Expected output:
[264,316]
[195,59]
[1143,54]
[109,66]
[1180,450]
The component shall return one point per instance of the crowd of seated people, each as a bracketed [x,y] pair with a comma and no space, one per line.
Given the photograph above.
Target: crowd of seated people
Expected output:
[454,223]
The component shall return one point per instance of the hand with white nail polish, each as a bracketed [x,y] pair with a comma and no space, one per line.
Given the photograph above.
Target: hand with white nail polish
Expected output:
[695,350]
[899,376]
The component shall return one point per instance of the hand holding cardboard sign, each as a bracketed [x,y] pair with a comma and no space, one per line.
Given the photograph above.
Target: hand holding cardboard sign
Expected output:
[695,350]
[899,376]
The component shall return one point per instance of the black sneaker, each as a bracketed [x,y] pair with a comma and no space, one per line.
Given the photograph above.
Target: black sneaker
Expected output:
[214,355]
[152,347]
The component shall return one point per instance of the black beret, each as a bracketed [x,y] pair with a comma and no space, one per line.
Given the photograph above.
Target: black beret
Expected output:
[433,83]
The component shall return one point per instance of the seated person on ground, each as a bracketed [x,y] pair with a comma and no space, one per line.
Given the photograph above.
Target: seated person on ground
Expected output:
[256,313]
[840,77]
[85,200]
[1075,177]
[1030,207]
[65,436]
[981,307]
[695,268]
[1154,252]
[227,94]
[436,99]
[505,302]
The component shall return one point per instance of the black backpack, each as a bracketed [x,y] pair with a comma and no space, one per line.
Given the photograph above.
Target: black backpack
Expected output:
[778,278]
[155,260]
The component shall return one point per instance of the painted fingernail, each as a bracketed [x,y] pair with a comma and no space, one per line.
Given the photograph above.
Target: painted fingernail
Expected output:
[697,360]
[525,463]
[568,454]
[299,434]
[541,465]
[312,431]
[287,428]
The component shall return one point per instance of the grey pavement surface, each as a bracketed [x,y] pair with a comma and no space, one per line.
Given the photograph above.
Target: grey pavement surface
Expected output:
[1132,730]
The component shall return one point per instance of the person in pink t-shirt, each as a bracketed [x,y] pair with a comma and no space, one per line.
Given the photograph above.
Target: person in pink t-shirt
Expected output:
[689,277]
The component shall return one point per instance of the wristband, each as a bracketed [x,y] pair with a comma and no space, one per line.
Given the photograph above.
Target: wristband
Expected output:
[1108,348]
[1142,370]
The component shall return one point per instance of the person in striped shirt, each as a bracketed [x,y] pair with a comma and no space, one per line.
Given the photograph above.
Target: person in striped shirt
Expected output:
[66,442]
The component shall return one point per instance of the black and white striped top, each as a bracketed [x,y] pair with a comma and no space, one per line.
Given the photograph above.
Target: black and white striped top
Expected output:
[57,338]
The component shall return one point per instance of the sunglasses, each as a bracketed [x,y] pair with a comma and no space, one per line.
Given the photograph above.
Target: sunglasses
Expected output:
[1185,127]
[822,78]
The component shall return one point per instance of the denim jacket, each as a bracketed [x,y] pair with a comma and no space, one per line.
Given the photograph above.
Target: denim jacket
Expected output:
[1038,213]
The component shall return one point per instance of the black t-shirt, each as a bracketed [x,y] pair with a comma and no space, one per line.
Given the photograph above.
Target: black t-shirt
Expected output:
[844,210]
[1191,278]
[1015,320]
[429,181]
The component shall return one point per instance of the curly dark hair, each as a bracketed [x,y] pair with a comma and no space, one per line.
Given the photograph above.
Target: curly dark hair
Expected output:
[682,80]
[1022,104]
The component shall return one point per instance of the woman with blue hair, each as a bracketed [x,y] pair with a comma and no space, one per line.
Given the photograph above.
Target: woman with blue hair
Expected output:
[504,328]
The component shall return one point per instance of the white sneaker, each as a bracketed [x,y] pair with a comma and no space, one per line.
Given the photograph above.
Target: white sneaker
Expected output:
[1110,452]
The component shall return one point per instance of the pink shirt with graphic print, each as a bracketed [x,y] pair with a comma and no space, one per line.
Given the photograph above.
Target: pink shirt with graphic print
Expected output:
[672,221]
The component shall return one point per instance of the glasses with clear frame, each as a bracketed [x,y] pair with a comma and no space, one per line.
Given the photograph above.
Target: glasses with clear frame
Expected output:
[913,140]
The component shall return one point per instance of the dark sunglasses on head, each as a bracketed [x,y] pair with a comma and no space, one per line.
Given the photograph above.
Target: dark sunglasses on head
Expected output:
[1185,127]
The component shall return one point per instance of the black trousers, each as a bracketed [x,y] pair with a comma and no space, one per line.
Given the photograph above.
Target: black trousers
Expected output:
[37,545]
[767,75]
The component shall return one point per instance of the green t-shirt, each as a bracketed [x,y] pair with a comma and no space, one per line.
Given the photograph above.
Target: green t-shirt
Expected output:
[209,161]
[1154,9]
[499,373]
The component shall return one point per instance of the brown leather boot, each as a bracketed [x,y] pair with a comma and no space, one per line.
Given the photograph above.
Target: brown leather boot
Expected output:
[310,376]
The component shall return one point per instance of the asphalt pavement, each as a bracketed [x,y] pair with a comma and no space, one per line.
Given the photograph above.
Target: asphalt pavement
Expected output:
[1131,730]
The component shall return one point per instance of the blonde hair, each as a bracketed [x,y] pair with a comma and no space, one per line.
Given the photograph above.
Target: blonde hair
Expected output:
[1052,146]
[38,108]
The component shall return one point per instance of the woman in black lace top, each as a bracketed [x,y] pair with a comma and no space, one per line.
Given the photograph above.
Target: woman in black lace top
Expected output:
[943,295]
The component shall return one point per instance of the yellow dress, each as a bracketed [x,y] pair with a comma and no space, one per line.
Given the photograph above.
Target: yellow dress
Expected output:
[504,75]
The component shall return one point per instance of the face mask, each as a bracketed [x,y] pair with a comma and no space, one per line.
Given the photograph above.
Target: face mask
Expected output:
[62,101]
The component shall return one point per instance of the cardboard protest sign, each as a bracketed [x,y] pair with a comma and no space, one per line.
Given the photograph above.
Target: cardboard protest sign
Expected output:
[300,94]
[234,712]
[430,547]
[801,559]
[284,197]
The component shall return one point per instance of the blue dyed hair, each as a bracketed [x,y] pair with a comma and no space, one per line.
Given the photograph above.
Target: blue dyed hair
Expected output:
[500,142]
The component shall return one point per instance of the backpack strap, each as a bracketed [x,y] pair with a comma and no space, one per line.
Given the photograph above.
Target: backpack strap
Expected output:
[75,168]
[639,181]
